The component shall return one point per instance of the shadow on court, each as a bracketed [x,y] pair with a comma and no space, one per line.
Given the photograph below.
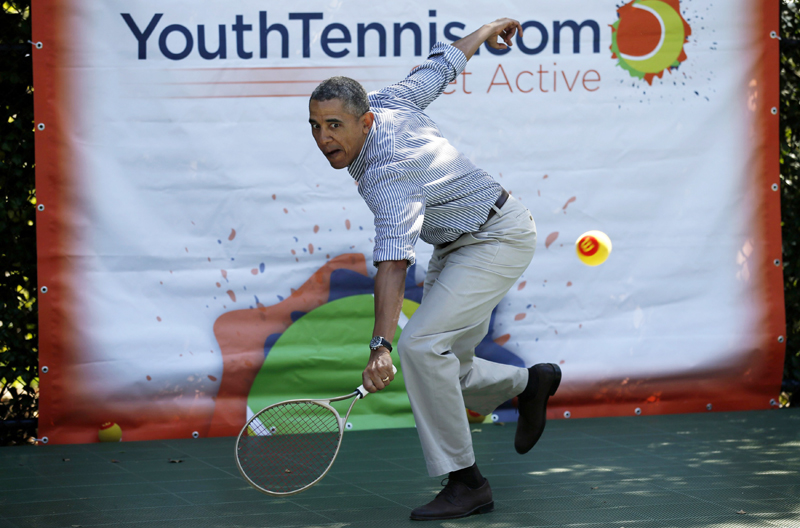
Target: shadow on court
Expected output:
[700,470]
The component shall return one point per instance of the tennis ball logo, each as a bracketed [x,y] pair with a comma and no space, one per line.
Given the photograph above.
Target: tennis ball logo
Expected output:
[109,432]
[593,247]
[648,38]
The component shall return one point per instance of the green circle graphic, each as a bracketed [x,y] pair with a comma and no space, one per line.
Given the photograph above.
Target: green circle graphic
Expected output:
[322,355]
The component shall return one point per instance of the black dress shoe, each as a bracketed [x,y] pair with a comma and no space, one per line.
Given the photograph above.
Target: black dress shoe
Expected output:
[456,500]
[533,410]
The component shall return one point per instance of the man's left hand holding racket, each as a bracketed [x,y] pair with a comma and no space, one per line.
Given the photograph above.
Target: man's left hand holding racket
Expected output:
[288,447]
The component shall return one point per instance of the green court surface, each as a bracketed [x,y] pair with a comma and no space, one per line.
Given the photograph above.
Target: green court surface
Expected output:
[701,470]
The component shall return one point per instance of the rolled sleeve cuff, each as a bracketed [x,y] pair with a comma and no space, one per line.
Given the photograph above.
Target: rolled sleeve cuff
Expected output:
[453,56]
[383,252]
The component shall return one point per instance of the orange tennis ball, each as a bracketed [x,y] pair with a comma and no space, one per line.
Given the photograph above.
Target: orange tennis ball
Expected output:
[110,432]
[593,247]
[473,417]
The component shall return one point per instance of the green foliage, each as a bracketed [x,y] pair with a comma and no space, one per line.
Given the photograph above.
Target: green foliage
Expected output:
[18,318]
[790,181]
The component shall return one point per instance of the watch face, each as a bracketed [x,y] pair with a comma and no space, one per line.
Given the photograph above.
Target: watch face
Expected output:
[375,343]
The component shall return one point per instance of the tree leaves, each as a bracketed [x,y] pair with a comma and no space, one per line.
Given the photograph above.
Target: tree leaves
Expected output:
[18,319]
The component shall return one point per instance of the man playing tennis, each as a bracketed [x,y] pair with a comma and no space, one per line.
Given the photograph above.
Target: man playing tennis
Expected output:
[419,186]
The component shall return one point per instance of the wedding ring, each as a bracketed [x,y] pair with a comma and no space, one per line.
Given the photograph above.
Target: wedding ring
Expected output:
[385,379]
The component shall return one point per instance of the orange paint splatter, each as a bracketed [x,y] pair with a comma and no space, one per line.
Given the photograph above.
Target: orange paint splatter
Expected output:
[149,378]
[347,224]
[219,285]
[231,295]
[316,229]
[539,192]
[311,248]
[569,202]
[212,378]
[292,290]
[254,271]
[569,284]
[209,259]
[522,285]
[274,197]
[224,274]
[561,362]
[285,210]
[232,235]
[187,249]
[545,177]
[159,319]
[503,339]
[294,252]
[519,317]
[161,282]
[550,239]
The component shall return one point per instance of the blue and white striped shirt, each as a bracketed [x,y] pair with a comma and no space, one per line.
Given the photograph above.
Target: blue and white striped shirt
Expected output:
[413,180]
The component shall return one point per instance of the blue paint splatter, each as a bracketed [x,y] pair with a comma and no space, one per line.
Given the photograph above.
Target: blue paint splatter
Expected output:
[296,239]
[280,298]
[261,267]
[529,306]
[219,241]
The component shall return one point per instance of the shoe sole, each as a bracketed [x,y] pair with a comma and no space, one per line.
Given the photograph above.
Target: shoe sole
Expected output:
[557,371]
[553,389]
[486,508]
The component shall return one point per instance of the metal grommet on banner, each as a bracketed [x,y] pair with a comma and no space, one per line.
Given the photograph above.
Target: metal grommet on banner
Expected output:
[775,187]
[638,411]
[567,414]
[195,435]
[773,402]
[780,339]
[774,34]
[43,289]
[40,207]
[774,111]
[45,369]
[348,426]
[37,45]
[43,440]
[708,407]
[777,262]
[495,418]
[40,126]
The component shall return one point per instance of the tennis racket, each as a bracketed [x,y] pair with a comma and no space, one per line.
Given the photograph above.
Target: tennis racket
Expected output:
[288,447]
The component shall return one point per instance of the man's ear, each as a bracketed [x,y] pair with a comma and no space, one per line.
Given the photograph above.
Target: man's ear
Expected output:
[366,120]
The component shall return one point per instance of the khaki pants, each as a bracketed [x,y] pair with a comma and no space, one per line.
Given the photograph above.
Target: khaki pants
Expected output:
[465,281]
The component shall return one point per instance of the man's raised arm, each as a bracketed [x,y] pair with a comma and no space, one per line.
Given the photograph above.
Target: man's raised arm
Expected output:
[429,80]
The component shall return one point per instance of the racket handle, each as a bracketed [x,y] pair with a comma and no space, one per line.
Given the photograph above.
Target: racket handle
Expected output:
[363,392]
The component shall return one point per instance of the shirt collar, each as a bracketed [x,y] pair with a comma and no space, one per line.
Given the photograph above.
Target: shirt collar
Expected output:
[359,165]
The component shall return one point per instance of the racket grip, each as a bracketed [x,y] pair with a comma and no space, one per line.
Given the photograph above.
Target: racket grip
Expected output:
[363,392]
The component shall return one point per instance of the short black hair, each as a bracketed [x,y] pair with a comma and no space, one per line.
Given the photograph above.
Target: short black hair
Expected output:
[348,90]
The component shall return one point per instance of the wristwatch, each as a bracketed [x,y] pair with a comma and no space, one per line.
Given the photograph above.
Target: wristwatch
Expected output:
[378,342]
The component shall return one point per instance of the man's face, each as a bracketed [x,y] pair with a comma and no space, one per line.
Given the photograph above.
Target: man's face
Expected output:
[339,134]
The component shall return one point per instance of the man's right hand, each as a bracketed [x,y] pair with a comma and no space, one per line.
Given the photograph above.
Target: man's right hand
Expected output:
[505,28]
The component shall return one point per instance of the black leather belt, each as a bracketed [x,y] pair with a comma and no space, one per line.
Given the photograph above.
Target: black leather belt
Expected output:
[499,203]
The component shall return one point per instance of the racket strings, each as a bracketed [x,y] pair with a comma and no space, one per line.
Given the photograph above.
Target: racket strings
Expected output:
[289,446]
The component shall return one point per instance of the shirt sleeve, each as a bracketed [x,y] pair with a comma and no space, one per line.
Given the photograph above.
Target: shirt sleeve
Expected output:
[428,80]
[399,210]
